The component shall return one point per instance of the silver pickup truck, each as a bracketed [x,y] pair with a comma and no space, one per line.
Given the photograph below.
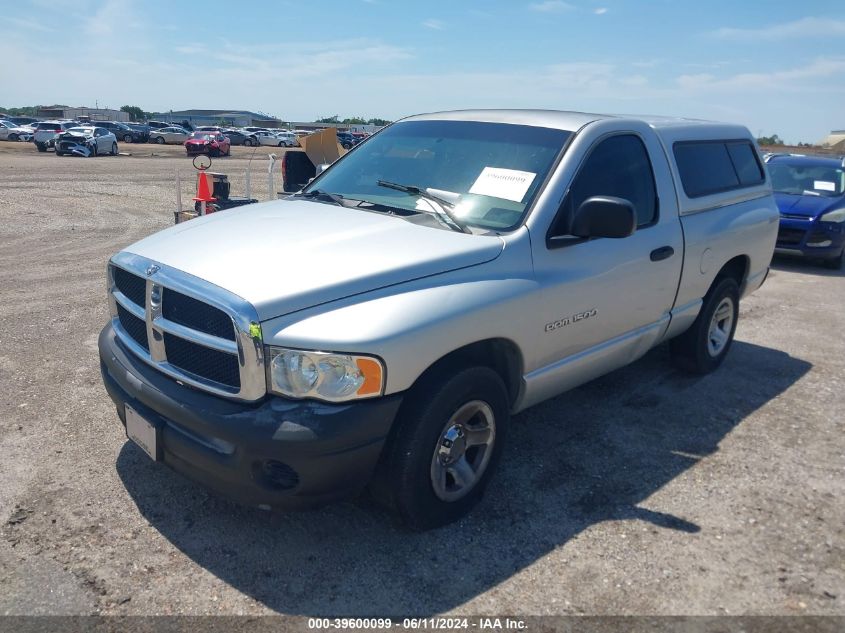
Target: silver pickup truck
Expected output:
[378,329]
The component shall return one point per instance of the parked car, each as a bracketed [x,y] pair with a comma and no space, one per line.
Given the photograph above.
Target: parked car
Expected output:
[255,129]
[142,129]
[346,140]
[288,139]
[22,120]
[810,194]
[269,138]
[169,135]
[10,131]
[237,137]
[86,141]
[157,125]
[47,131]
[122,131]
[211,143]
[381,327]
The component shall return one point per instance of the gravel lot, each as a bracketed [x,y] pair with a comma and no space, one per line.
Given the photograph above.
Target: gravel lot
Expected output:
[644,492]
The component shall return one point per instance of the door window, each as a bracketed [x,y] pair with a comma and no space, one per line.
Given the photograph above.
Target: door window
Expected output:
[617,166]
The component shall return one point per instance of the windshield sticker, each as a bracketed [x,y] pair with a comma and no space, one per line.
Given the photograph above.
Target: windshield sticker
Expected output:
[824,185]
[508,184]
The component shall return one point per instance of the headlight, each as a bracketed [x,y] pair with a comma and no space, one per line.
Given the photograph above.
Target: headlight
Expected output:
[323,375]
[834,216]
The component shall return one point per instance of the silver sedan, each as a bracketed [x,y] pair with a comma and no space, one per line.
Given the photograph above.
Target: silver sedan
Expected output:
[11,132]
[86,140]
[169,135]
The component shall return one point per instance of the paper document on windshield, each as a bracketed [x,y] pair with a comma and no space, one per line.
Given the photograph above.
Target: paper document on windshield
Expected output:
[824,185]
[508,184]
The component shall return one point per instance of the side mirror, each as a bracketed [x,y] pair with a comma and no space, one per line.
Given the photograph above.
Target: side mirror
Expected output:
[605,216]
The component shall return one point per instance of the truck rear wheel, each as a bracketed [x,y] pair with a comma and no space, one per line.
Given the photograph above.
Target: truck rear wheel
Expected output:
[703,347]
[447,444]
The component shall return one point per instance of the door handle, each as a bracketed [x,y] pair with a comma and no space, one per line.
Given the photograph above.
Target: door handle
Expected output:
[664,252]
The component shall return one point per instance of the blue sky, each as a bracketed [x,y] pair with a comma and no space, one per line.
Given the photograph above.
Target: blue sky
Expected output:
[777,67]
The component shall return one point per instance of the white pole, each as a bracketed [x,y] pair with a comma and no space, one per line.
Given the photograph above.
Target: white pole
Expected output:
[202,207]
[270,195]
[248,182]
[178,193]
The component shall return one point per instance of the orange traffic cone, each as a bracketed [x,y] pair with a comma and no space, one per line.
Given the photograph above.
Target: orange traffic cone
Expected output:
[204,189]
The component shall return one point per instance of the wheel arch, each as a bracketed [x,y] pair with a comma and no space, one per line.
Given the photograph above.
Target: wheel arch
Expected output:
[501,355]
[736,268]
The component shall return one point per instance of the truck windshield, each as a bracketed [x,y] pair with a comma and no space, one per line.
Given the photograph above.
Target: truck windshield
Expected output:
[493,170]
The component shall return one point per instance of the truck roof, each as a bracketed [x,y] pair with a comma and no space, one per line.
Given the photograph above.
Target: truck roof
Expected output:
[669,128]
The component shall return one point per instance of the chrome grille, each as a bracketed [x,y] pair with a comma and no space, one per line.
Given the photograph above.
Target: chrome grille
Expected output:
[197,315]
[202,361]
[187,328]
[135,327]
[132,286]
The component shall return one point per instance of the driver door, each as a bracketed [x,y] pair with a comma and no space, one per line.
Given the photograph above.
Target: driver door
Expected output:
[99,139]
[607,300]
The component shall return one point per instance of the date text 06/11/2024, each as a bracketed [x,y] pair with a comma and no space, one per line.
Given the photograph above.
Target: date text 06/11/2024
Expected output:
[433,623]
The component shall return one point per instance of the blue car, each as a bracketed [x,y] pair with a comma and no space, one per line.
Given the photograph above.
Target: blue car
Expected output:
[810,194]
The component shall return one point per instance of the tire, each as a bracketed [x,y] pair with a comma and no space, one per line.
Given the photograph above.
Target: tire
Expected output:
[418,476]
[13,137]
[94,152]
[160,140]
[60,153]
[835,263]
[228,151]
[127,138]
[41,147]
[703,347]
[114,149]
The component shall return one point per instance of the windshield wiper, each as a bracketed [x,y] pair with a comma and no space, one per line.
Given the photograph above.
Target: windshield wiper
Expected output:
[442,208]
[322,195]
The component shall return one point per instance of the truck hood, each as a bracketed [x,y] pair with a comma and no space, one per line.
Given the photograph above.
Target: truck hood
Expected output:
[288,255]
[806,206]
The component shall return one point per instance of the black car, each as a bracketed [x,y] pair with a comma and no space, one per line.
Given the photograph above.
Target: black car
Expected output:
[122,131]
[143,129]
[21,120]
[236,137]
[346,140]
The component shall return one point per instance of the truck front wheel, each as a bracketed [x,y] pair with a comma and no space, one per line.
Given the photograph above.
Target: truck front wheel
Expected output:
[445,449]
[703,347]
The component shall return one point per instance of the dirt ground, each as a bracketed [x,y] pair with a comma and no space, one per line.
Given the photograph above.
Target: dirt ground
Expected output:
[643,492]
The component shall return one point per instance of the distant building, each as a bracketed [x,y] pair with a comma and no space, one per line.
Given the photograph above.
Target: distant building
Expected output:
[834,140]
[235,118]
[340,127]
[94,114]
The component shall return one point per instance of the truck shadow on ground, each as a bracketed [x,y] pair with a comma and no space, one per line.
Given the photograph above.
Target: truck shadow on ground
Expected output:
[591,455]
[804,266]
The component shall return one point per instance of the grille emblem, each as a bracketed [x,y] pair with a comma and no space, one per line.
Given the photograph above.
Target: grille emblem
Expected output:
[152,269]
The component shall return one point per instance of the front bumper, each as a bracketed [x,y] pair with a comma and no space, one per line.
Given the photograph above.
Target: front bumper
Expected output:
[201,149]
[810,238]
[275,453]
